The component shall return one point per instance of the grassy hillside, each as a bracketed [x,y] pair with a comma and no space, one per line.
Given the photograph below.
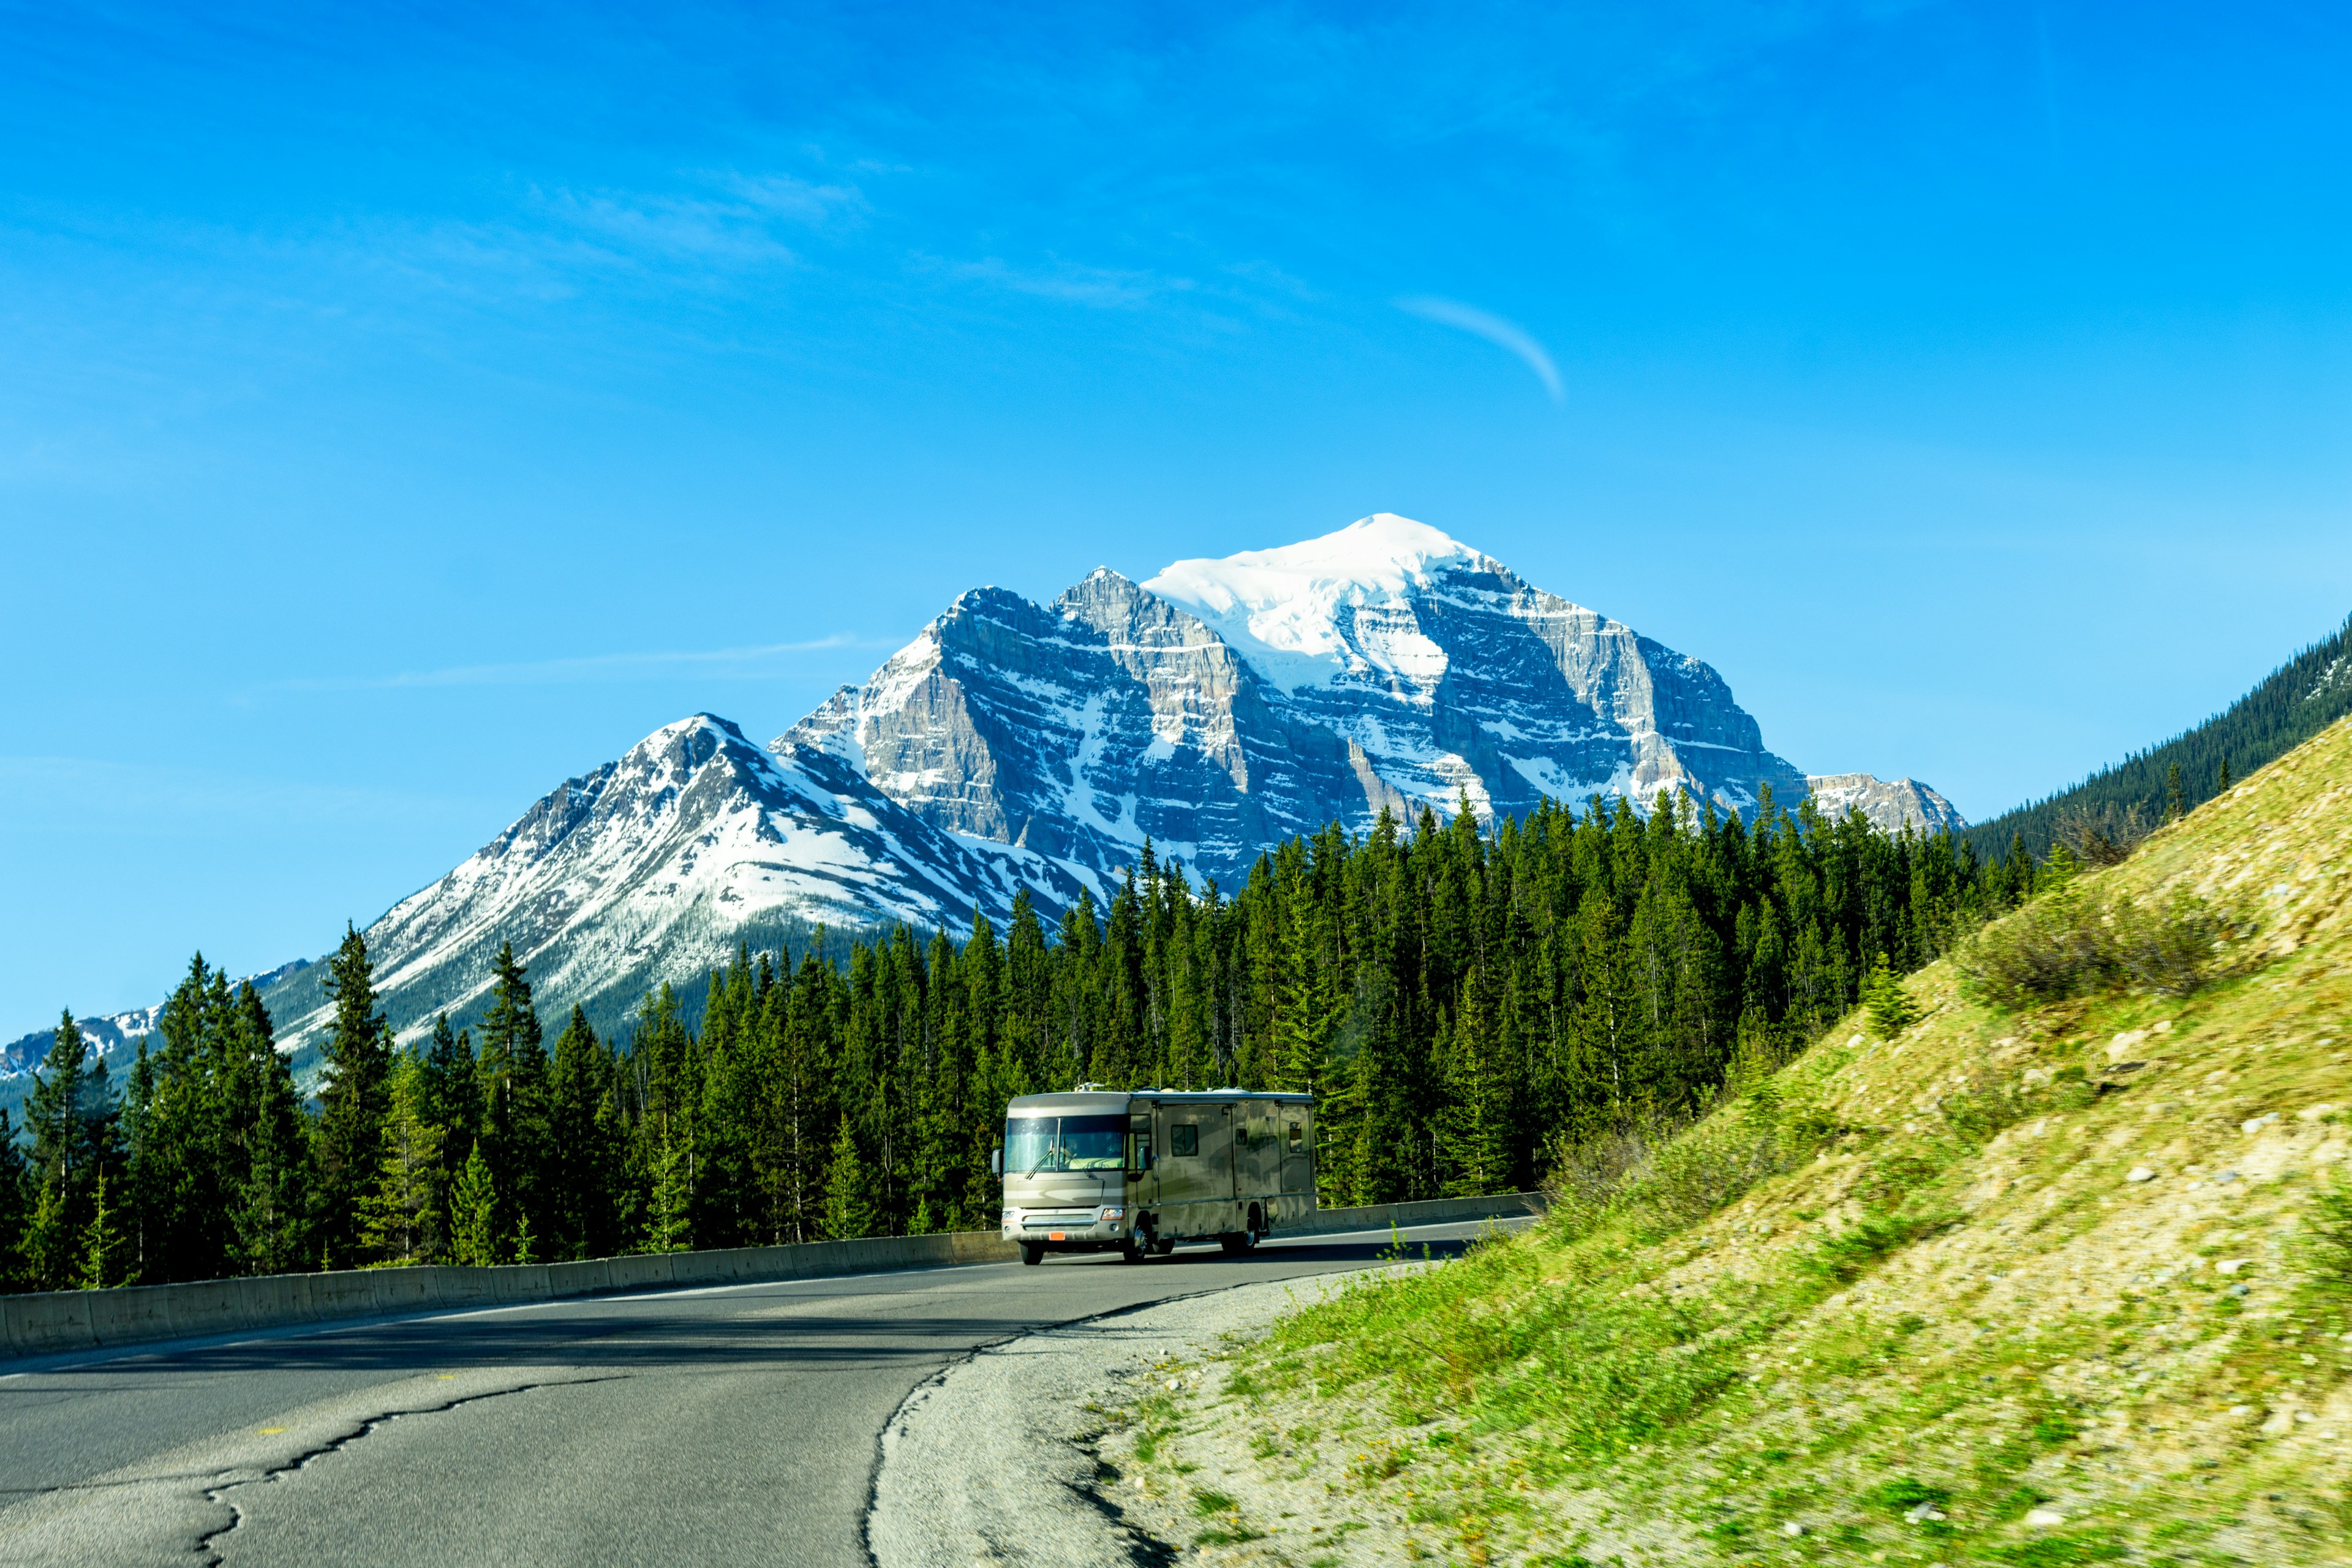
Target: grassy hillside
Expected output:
[2068,1281]
[2296,701]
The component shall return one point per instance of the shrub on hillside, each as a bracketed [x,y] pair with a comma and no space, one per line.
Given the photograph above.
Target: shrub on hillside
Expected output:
[2072,941]
[2101,836]
[1667,1173]
[2328,1239]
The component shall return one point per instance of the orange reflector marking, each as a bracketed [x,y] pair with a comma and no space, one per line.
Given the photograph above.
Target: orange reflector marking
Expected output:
[1057,1236]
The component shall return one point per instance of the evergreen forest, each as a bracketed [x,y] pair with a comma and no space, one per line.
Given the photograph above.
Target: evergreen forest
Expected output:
[1465,1002]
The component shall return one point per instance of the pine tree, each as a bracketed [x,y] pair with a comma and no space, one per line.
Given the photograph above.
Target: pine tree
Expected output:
[63,1112]
[401,1220]
[271,1171]
[514,1080]
[2222,781]
[103,1261]
[669,1224]
[2176,803]
[1889,1006]
[473,1215]
[848,1196]
[583,1160]
[15,1205]
[352,1101]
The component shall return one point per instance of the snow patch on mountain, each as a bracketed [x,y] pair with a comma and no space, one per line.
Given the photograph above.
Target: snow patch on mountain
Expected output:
[1306,613]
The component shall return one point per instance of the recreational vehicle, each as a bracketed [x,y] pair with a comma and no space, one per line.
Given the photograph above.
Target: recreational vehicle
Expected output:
[1136,1173]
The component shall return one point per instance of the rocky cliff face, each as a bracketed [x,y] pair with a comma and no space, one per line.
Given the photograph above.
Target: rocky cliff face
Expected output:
[1081,729]
[1893,804]
[1224,705]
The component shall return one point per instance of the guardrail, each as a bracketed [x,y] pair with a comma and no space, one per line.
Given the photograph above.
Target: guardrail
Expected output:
[62,1322]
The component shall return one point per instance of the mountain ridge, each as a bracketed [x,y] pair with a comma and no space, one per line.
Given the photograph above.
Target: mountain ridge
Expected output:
[1012,747]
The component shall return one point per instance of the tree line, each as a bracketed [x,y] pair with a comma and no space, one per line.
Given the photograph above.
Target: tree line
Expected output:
[2101,818]
[1463,1003]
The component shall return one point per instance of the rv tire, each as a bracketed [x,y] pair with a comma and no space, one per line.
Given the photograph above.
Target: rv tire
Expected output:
[1236,1242]
[1032,1252]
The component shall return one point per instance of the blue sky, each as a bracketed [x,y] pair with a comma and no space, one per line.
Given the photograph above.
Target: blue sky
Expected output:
[401,411]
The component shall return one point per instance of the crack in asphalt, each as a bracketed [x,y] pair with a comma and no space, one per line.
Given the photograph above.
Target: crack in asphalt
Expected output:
[219,1494]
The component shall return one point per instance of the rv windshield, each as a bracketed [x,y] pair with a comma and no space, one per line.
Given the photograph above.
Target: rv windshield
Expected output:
[1034,1143]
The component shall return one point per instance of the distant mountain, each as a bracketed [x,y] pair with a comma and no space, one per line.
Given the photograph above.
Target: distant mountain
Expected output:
[2293,704]
[1215,709]
[1904,803]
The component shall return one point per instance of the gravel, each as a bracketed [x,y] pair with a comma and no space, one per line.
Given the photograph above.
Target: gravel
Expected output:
[993,1463]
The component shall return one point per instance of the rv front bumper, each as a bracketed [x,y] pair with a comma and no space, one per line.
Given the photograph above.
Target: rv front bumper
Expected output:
[1067,1228]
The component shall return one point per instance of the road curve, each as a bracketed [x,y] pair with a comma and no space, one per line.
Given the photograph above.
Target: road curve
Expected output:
[731,1424]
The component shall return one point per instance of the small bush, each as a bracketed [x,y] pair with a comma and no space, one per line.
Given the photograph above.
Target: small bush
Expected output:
[2071,942]
[1909,1492]
[2101,838]
[1887,1003]
[1846,1256]
[2328,1239]
[1663,1174]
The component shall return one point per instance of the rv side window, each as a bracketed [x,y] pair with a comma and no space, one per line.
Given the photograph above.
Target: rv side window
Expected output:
[1184,1139]
[1297,1137]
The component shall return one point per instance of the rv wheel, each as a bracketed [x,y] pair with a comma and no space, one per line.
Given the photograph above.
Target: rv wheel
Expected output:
[1032,1252]
[1236,1242]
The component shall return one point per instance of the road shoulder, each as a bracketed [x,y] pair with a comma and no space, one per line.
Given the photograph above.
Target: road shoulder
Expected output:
[995,1460]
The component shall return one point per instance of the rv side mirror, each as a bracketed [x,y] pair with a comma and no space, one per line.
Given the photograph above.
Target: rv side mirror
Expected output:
[996,1161]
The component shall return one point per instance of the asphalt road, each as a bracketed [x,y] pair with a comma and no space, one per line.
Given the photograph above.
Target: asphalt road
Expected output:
[736,1425]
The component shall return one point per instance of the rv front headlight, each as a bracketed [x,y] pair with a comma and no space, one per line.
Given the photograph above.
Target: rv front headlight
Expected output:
[1114,1213]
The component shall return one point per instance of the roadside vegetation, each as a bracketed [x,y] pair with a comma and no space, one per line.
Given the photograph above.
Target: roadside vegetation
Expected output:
[2042,1255]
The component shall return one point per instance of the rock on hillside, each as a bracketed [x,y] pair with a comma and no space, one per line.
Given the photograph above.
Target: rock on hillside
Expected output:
[2036,1287]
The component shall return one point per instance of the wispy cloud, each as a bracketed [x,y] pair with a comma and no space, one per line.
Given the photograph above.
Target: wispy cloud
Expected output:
[1484,324]
[726,661]
[1103,288]
[735,223]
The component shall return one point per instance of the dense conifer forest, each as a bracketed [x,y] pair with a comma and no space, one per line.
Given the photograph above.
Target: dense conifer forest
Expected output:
[1463,1003]
[2293,702]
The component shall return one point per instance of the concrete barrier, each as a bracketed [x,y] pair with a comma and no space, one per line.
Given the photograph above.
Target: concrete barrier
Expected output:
[52,1323]
[1430,1211]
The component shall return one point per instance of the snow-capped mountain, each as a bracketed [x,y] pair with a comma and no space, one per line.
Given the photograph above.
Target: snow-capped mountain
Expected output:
[1214,709]
[107,1036]
[1223,705]
[655,867]
[1892,804]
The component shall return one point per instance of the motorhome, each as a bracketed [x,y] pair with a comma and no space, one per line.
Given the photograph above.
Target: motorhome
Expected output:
[1138,1172]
